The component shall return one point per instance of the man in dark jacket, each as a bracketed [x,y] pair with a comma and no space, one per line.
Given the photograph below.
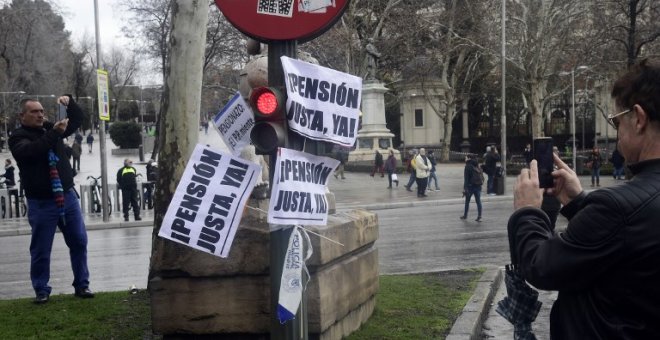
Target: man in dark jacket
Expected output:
[490,166]
[605,265]
[127,182]
[36,143]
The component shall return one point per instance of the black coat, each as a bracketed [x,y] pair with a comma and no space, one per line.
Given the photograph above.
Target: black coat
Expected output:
[606,265]
[30,146]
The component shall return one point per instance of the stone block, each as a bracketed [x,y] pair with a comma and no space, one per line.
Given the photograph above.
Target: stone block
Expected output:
[340,288]
[211,305]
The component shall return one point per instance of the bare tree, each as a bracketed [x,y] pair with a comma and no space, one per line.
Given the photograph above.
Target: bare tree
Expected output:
[35,51]
[541,37]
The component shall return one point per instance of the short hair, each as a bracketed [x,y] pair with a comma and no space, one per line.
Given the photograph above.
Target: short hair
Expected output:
[23,103]
[641,86]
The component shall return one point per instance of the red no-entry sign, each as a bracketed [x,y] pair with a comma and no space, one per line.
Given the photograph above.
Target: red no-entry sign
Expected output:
[269,20]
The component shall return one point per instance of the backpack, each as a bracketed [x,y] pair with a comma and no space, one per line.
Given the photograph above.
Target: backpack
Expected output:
[477,177]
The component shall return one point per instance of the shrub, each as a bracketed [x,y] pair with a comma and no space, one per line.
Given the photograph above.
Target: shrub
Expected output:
[126,135]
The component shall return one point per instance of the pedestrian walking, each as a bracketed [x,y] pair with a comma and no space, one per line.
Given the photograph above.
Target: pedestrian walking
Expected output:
[491,158]
[127,182]
[594,162]
[390,168]
[432,175]
[10,179]
[378,165]
[605,264]
[473,179]
[411,169]
[617,161]
[78,138]
[90,141]
[527,153]
[76,151]
[342,156]
[47,178]
[422,168]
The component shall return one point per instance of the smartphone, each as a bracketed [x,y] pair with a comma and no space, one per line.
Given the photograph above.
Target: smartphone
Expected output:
[61,112]
[543,155]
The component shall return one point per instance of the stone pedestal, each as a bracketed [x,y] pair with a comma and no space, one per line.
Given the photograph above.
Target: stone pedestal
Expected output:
[193,293]
[374,134]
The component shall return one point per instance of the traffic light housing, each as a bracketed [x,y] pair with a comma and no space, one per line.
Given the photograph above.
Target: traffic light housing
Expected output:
[270,129]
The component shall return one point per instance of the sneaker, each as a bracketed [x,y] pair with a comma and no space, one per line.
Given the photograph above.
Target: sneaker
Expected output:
[463,217]
[41,298]
[478,219]
[138,218]
[84,293]
[125,218]
[429,189]
[408,188]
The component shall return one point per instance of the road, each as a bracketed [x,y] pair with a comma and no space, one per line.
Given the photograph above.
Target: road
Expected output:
[414,239]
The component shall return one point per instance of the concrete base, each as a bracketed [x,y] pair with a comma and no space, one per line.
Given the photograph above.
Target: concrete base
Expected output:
[193,293]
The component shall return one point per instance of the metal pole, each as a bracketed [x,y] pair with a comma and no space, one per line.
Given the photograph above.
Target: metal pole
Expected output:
[503,127]
[296,328]
[104,162]
[584,114]
[4,109]
[573,117]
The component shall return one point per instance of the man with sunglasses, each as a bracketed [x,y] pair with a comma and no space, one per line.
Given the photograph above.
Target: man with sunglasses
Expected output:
[605,265]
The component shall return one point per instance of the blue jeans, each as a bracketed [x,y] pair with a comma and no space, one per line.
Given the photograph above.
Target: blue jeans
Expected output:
[44,217]
[433,176]
[489,184]
[411,180]
[476,191]
[595,174]
[618,172]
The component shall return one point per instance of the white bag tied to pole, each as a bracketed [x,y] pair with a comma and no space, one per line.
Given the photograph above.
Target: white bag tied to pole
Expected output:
[291,286]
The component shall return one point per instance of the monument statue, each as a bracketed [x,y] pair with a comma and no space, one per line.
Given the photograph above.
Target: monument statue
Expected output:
[372,60]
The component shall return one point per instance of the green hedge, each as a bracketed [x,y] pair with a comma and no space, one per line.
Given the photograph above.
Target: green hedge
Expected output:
[125,135]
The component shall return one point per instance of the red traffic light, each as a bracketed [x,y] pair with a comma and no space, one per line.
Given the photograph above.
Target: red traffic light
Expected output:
[266,101]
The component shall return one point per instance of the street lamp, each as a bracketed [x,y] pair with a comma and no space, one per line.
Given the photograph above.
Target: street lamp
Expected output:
[572,73]
[4,108]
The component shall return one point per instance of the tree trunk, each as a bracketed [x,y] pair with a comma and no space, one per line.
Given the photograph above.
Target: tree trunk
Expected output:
[179,123]
[446,139]
[536,108]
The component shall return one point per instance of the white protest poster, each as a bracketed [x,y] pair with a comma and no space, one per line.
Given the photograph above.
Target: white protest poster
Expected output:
[322,104]
[208,203]
[234,123]
[298,195]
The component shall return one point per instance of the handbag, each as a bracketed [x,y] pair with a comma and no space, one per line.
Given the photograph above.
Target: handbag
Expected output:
[395,177]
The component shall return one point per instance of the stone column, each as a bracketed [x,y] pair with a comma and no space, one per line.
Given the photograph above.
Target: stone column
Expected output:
[374,134]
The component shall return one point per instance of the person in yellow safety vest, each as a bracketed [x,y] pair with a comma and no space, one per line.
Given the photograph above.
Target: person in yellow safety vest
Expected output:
[127,182]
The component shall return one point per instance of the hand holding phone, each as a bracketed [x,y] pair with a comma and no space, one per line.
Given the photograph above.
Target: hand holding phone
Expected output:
[543,156]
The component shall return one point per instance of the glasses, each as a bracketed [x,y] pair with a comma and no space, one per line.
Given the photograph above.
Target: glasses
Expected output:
[615,122]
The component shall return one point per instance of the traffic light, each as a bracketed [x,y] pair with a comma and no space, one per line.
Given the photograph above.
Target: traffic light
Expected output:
[270,129]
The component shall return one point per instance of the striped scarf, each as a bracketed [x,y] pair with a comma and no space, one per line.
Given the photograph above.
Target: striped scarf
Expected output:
[56,183]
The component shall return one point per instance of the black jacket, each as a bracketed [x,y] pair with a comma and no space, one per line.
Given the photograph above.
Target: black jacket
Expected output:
[30,146]
[606,265]
[127,178]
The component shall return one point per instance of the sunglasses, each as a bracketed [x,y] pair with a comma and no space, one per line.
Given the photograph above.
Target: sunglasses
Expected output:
[615,122]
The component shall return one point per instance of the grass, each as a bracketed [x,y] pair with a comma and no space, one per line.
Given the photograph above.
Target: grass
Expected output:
[421,306]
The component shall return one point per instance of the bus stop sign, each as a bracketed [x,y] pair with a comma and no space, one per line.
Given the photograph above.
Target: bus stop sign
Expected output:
[277,20]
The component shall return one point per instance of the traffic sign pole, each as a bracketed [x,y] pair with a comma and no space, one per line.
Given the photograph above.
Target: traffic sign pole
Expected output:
[279,239]
[282,31]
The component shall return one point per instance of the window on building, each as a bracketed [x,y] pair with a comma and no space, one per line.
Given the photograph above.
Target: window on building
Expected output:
[419,118]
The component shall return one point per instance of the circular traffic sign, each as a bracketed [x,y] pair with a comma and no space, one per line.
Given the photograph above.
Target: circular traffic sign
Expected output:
[274,20]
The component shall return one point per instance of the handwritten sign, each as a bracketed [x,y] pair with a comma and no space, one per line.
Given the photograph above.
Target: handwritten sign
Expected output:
[234,123]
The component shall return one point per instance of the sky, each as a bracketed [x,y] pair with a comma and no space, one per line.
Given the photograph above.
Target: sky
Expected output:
[79,18]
